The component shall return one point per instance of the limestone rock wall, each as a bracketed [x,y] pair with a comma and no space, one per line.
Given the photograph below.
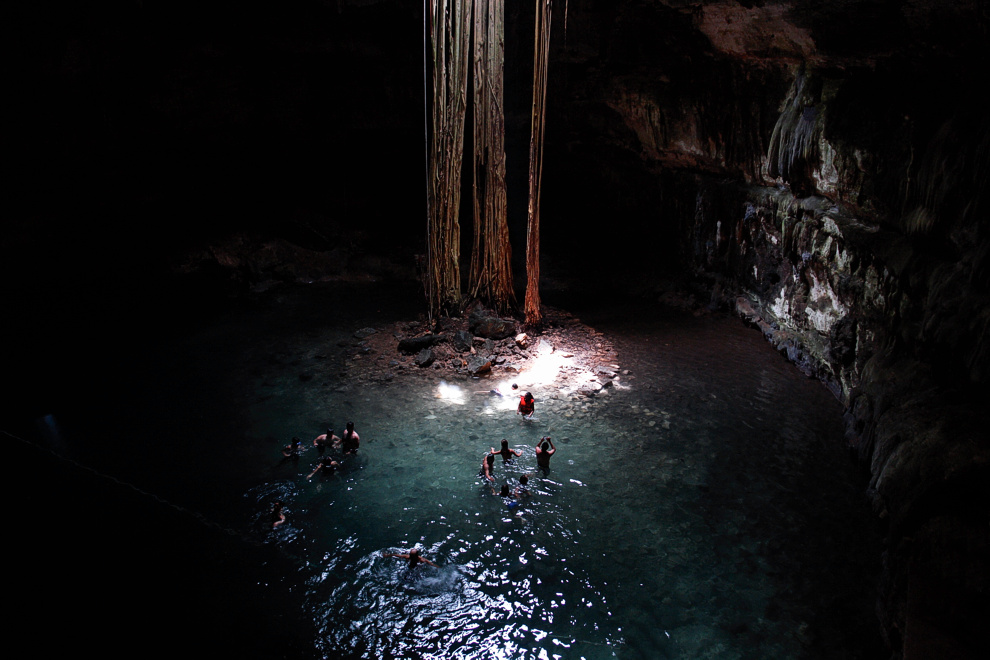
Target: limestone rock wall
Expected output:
[868,271]
[822,169]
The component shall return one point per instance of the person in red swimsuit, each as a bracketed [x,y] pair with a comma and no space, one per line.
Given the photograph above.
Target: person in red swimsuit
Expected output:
[527,404]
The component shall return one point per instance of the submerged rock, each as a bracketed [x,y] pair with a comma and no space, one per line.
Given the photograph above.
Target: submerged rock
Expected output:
[589,389]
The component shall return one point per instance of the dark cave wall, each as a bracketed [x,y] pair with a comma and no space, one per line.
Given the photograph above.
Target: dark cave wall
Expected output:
[822,170]
[192,121]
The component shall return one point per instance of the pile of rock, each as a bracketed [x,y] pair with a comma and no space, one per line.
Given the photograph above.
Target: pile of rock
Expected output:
[478,345]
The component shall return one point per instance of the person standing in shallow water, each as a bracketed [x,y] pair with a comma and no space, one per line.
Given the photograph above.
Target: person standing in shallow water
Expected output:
[325,440]
[486,467]
[527,405]
[414,558]
[350,441]
[507,453]
[544,450]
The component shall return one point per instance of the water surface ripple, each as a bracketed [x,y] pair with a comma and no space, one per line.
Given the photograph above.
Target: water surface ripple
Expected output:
[703,508]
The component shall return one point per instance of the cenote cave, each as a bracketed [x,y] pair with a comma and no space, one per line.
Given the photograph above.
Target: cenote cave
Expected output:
[737,251]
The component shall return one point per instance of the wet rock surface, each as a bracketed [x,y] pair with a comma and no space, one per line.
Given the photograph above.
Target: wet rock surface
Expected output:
[457,353]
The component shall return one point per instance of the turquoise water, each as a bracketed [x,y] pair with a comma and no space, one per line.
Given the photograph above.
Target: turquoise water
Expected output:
[704,507]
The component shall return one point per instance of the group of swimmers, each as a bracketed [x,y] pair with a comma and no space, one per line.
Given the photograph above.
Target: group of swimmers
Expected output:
[326,464]
[348,445]
[350,441]
[544,450]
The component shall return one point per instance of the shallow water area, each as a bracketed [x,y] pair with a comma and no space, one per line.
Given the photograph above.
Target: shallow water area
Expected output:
[703,506]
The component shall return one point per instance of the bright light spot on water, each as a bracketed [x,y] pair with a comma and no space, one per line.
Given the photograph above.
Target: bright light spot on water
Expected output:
[449,392]
[546,370]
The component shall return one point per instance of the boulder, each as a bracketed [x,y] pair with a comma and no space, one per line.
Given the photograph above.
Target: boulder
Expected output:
[478,365]
[462,341]
[484,325]
[411,345]
[424,358]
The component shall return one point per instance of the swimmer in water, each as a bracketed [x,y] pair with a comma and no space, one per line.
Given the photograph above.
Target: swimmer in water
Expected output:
[508,496]
[414,558]
[544,450]
[277,516]
[498,390]
[326,464]
[349,442]
[521,491]
[325,440]
[507,453]
[486,467]
[292,449]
